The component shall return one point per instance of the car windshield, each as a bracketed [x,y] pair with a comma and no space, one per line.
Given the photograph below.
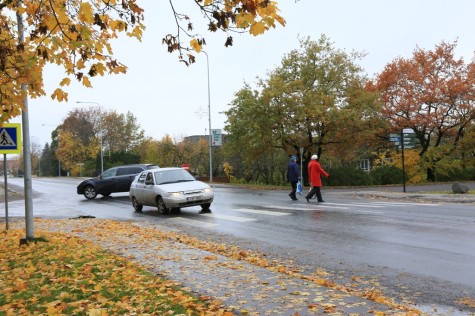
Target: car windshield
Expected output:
[172,176]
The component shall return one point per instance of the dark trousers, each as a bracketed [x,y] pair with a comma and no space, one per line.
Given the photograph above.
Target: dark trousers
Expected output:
[315,190]
[294,189]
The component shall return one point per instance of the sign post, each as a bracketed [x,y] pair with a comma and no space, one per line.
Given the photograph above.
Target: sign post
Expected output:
[405,139]
[10,143]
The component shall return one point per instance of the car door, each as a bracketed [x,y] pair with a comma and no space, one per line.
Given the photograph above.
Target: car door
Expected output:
[137,188]
[107,182]
[149,189]
[125,176]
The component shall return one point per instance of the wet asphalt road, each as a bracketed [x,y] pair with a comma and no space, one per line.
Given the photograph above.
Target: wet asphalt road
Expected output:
[422,251]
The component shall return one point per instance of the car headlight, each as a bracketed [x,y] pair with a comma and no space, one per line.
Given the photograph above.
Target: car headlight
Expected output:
[207,190]
[175,194]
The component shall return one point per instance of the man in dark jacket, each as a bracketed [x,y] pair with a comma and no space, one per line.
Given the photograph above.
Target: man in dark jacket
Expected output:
[293,175]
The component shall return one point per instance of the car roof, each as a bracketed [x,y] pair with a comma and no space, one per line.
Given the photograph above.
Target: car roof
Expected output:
[167,169]
[137,165]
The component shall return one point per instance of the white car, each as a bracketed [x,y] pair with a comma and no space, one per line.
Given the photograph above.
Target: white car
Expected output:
[169,188]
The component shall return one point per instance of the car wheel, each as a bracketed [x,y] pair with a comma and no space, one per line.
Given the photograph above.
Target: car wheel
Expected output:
[90,192]
[175,210]
[162,208]
[205,207]
[137,207]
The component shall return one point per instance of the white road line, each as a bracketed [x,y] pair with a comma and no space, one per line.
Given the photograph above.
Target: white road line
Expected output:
[193,222]
[253,211]
[371,212]
[301,207]
[231,218]
[406,203]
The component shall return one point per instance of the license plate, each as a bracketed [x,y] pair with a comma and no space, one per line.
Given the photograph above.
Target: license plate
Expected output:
[194,198]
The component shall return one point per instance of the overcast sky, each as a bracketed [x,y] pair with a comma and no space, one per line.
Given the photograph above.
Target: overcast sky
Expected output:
[169,98]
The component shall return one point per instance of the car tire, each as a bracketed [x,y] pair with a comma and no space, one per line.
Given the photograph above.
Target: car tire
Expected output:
[175,210]
[90,192]
[162,208]
[137,207]
[205,207]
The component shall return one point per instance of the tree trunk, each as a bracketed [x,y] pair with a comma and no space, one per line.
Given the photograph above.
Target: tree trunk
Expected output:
[431,174]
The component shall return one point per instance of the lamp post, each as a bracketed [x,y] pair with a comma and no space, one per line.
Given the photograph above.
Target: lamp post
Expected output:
[100,131]
[59,162]
[209,120]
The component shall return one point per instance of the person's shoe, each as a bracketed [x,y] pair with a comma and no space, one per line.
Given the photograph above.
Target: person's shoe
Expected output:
[308,200]
[295,199]
[321,201]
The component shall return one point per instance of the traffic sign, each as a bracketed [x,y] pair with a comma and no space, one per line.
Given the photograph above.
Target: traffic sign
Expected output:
[216,138]
[394,139]
[10,138]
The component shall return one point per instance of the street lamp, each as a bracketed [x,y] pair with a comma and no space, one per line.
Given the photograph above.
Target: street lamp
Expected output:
[209,119]
[100,131]
[59,162]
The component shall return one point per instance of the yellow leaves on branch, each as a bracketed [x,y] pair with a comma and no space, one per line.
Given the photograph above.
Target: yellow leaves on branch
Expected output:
[75,37]
[195,45]
[85,12]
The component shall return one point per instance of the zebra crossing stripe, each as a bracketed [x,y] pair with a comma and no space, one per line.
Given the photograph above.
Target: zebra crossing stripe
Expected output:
[230,218]
[253,211]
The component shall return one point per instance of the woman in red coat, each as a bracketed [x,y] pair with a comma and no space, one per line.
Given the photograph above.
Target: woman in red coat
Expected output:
[314,172]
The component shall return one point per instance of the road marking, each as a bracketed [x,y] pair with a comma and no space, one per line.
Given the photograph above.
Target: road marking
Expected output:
[305,207]
[231,218]
[253,211]
[193,222]
[371,212]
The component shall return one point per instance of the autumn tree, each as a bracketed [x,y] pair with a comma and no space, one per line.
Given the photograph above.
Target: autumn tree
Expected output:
[314,100]
[120,132]
[229,16]
[77,36]
[433,92]
[80,137]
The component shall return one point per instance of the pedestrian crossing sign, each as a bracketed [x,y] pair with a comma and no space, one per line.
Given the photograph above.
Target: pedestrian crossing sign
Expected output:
[10,138]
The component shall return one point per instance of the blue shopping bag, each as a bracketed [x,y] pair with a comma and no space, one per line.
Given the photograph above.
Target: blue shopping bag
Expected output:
[299,187]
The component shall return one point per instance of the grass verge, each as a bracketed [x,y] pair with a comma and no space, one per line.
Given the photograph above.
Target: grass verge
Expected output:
[65,275]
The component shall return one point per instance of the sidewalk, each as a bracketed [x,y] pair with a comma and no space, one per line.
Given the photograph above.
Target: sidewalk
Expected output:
[242,281]
[418,197]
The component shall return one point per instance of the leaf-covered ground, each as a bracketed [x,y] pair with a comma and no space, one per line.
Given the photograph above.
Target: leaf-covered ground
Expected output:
[106,267]
[65,275]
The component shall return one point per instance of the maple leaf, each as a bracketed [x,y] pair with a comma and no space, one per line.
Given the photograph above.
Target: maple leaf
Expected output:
[257,28]
[195,45]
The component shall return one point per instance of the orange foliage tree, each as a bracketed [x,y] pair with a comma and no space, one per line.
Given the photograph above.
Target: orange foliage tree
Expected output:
[77,35]
[434,94]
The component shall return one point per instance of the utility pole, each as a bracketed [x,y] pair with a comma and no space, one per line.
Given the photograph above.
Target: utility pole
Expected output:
[26,148]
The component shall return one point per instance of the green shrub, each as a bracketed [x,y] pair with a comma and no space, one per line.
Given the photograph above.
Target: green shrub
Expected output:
[467,174]
[347,176]
[386,175]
